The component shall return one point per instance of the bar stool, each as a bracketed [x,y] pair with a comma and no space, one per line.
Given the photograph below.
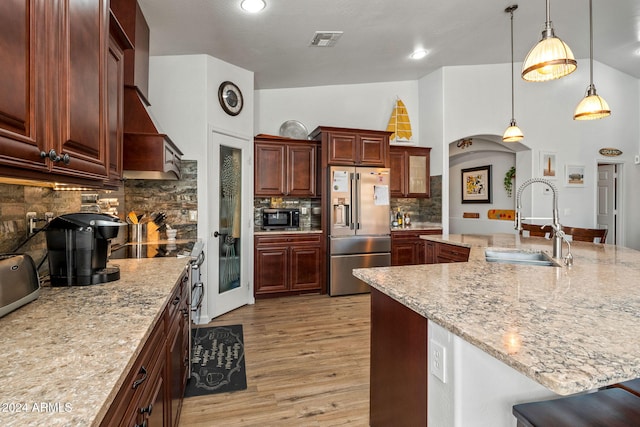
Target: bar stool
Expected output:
[593,235]
[632,386]
[613,407]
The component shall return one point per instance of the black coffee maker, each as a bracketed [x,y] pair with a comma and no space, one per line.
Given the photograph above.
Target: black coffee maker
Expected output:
[78,246]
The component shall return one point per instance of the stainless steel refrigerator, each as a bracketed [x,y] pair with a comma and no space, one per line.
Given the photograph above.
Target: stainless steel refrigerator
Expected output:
[359,228]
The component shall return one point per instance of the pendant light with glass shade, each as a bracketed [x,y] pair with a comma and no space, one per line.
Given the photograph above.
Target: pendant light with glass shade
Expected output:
[513,132]
[550,58]
[592,105]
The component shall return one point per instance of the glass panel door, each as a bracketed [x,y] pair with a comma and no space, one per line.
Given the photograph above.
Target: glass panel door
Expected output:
[230,219]
[417,174]
[229,223]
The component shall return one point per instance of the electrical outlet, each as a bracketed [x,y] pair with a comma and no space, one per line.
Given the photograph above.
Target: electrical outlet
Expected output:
[438,358]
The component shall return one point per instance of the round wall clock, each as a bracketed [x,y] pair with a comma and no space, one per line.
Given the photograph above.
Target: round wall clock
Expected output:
[230,98]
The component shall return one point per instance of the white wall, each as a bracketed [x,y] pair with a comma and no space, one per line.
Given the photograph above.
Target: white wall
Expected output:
[480,390]
[183,91]
[178,102]
[500,163]
[476,101]
[361,106]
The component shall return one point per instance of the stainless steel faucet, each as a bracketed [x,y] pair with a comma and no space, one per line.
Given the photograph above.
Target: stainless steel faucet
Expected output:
[558,234]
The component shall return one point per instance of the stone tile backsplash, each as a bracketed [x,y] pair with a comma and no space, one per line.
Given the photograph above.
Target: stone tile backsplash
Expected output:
[178,199]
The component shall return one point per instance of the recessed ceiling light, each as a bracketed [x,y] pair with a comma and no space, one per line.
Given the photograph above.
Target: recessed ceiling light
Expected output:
[253,6]
[419,54]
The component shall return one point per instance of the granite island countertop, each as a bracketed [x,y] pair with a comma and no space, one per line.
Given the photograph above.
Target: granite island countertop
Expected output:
[570,329]
[66,354]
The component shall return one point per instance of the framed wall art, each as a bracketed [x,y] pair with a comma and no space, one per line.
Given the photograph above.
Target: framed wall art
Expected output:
[574,176]
[476,184]
[548,165]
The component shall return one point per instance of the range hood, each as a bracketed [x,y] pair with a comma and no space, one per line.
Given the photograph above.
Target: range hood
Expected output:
[148,153]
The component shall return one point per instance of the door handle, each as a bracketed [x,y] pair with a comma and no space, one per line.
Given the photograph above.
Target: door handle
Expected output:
[216,234]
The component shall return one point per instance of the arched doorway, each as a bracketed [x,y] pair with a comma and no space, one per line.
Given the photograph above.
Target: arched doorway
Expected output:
[466,216]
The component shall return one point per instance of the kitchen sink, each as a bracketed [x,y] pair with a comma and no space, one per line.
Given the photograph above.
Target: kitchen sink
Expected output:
[522,257]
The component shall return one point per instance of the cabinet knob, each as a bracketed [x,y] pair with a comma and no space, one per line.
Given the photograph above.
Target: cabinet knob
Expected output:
[55,158]
[147,410]
[216,234]
[137,382]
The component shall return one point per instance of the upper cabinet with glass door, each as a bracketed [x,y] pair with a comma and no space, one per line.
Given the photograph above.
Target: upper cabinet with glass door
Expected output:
[410,172]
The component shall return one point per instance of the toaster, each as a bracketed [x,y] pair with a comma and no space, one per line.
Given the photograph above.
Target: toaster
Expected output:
[19,282]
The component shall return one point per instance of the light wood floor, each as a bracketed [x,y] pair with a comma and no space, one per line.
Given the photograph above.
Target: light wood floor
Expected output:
[307,360]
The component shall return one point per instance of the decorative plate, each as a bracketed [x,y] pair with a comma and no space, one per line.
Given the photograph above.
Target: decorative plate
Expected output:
[294,129]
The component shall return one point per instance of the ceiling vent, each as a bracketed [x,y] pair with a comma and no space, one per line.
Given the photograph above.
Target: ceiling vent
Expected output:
[325,38]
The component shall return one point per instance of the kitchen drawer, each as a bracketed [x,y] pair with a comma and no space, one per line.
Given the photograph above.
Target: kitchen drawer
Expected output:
[178,300]
[315,239]
[451,253]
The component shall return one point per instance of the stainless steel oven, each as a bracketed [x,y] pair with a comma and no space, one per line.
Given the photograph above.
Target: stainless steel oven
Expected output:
[196,289]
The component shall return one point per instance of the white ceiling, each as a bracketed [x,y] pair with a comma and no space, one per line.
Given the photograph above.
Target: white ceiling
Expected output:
[379,35]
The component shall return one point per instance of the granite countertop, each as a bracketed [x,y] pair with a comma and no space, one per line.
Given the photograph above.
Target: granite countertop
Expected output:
[570,329]
[65,355]
[259,232]
[417,226]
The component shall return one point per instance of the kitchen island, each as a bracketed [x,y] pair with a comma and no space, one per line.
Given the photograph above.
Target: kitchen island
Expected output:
[557,330]
[66,355]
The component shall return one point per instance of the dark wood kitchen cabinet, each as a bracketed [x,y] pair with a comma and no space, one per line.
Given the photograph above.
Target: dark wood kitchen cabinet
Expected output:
[407,248]
[118,43]
[285,167]
[410,172]
[53,113]
[178,331]
[22,84]
[153,390]
[343,146]
[288,264]
[439,252]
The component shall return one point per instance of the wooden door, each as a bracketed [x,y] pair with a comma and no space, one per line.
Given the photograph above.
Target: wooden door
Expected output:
[271,269]
[79,89]
[301,170]
[373,150]
[269,177]
[418,172]
[343,148]
[429,253]
[22,120]
[115,102]
[403,253]
[305,267]
[397,184]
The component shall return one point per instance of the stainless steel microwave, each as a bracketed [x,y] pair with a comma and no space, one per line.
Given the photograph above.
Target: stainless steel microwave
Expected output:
[280,218]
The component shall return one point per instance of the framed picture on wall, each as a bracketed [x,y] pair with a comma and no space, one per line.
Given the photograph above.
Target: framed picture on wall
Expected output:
[476,184]
[548,165]
[574,176]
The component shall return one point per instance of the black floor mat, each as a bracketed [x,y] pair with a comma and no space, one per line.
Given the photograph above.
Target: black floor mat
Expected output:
[217,361]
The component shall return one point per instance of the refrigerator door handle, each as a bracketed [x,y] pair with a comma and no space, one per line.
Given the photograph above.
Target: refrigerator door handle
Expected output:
[355,201]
